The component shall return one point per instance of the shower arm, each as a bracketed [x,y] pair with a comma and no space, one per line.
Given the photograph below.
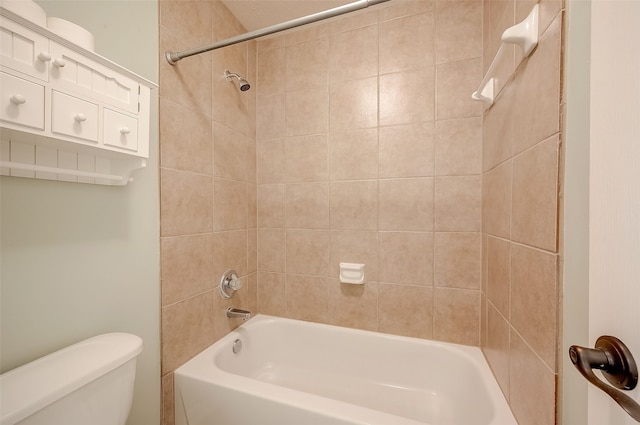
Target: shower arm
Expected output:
[174,57]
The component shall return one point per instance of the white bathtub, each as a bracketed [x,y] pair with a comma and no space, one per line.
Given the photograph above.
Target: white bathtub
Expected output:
[290,372]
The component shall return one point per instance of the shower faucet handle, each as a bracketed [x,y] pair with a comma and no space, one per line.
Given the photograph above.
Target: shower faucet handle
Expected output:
[229,284]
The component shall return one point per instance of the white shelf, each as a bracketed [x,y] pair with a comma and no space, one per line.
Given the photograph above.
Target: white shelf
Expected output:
[524,34]
[67,113]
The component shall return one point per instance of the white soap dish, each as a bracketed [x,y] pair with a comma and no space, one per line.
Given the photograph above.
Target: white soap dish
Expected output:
[352,273]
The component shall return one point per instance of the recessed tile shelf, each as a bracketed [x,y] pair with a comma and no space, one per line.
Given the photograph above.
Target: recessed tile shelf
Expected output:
[67,113]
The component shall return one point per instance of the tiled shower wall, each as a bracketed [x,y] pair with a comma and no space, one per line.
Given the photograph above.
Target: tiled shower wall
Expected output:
[365,148]
[369,151]
[207,160]
[521,145]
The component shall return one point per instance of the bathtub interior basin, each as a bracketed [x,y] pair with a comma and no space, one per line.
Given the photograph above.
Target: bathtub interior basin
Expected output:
[337,375]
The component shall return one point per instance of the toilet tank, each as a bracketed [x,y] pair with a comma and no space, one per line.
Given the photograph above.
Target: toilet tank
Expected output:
[88,383]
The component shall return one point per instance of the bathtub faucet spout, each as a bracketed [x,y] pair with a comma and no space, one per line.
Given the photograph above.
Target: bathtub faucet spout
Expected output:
[237,313]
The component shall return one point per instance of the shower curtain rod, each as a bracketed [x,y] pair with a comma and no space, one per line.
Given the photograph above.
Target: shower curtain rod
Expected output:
[174,57]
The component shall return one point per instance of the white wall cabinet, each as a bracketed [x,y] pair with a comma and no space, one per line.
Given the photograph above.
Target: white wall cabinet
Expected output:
[67,113]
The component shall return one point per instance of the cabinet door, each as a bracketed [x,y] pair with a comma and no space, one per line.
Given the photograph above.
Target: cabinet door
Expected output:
[120,131]
[74,72]
[23,50]
[74,117]
[21,102]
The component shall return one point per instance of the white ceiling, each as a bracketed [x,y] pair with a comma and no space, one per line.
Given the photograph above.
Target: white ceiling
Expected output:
[258,14]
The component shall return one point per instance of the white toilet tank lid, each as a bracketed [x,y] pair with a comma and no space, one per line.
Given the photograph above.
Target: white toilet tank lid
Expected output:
[33,386]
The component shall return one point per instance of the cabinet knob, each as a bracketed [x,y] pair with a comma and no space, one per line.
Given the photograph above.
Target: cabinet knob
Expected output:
[59,63]
[18,99]
[125,130]
[44,57]
[79,117]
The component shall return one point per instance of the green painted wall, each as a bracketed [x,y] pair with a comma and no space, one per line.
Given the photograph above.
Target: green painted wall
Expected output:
[78,260]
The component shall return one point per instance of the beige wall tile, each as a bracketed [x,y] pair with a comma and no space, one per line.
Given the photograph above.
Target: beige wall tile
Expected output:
[231,106]
[485,263]
[354,54]
[456,316]
[186,203]
[498,129]
[271,71]
[306,158]
[230,153]
[402,8]
[353,104]
[252,206]
[189,150]
[458,202]
[458,147]
[499,275]
[402,39]
[308,205]
[407,97]
[487,55]
[230,251]
[230,205]
[539,82]
[353,246]
[406,258]
[496,201]
[271,294]
[271,205]
[406,310]
[353,306]
[270,120]
[501,17]
[406,204]
[457,260]
[275,41]
[251,165]
[168,400]
[353,154]
[307,298]
[271,250]
[252,251]
[307,64]
[270,161]
[459,30]
[496,348]
[306,33]
[455,83]
[307,111]
[308,252]
[189,21]
[186,266]
[224,23]
[354,20]
[190,83]
[532,386]
[535,195]
[187,328]
[407,150]
[534,298]
[354,205]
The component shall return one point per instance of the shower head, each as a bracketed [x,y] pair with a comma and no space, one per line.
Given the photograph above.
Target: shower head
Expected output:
[244,84]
